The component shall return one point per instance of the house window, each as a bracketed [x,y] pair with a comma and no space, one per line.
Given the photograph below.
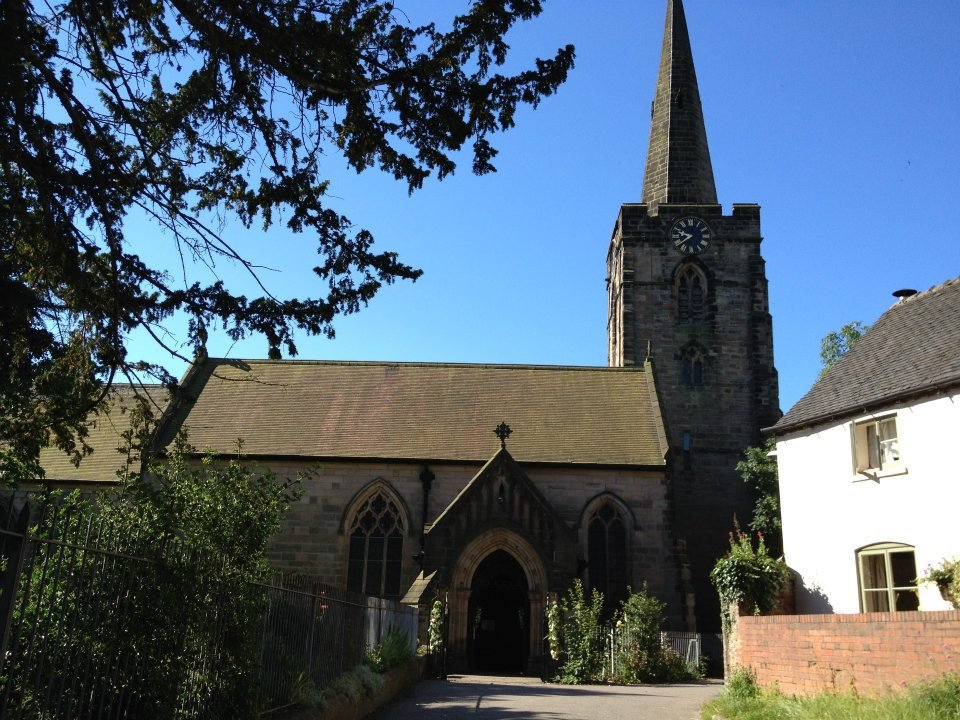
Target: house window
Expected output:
[691,289]
[691,371]
[887,574]
[876,444]
[607,554]
[376,548]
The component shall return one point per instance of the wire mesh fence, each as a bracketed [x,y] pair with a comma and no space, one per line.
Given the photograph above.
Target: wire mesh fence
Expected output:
[84,632]
[618,642]
[313,632]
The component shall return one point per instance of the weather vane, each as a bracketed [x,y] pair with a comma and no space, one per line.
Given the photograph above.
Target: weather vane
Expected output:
[503,432]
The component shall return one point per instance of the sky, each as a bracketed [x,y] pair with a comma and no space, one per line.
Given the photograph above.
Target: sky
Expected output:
[839,118]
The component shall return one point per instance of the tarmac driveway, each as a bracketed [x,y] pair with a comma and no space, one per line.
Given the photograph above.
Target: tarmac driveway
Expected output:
[509,698]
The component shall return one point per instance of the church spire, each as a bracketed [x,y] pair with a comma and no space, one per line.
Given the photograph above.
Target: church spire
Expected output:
[678,159]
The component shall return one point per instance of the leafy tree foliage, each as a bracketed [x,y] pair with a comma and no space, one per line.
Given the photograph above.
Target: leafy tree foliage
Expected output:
[838,343]
[759,471]
[192,114]
[171,583]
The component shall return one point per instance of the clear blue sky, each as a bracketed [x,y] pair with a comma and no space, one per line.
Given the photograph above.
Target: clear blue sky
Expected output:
[839,118]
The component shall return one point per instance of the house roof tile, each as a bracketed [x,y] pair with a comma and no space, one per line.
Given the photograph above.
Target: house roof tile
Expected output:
[913,348]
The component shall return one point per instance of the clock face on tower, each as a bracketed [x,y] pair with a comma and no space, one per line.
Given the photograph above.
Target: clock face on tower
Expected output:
[691,235]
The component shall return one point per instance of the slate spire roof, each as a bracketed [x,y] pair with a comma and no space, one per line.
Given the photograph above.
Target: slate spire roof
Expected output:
[913,349]
[678,160]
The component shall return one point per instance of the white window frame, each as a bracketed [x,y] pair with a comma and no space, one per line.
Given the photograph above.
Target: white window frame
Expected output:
[885,550]
[877,452]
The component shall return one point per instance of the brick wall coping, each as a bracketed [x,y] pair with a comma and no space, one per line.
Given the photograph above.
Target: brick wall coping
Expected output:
[836,618]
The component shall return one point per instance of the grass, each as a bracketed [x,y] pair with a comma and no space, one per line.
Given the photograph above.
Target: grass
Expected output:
[742,700]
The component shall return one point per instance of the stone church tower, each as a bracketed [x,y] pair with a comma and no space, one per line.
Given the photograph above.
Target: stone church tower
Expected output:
[688,291]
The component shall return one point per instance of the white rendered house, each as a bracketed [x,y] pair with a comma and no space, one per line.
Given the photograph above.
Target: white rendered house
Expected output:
[869,464]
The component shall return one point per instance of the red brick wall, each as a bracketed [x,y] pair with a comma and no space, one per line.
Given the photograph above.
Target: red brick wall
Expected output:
[872,652]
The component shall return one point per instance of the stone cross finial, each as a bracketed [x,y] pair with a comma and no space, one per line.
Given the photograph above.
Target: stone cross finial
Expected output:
[503,432]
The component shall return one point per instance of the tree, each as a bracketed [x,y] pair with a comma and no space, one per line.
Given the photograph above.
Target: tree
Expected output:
[191,114]
[838,343]
[139,589]
[759,470]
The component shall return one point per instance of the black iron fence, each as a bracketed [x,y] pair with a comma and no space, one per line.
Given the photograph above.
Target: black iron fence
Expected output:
[79,627]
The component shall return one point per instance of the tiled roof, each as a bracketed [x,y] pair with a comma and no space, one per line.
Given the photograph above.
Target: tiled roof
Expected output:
[913,348]
[422,411]
[105,438]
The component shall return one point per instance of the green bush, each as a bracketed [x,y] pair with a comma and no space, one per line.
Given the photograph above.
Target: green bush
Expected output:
[743,684]
[641,656]
[583,638]
[394,650]
[748,576]
[142,632]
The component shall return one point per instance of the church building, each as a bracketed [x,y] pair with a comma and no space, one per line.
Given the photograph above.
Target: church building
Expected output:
[495,486]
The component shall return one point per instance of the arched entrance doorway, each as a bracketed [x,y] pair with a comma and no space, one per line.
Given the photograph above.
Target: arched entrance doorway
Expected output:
[508,552]
[499,613]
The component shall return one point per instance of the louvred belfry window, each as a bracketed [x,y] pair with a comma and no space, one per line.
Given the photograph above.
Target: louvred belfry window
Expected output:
[376,548]
[691,291]
[691,371]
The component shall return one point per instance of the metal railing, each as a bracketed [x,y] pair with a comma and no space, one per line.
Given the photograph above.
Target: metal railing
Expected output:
[313,632]
[685,644]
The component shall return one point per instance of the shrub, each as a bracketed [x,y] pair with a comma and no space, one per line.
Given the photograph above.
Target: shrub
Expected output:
[743,684]
[394,650]
[583,639]
[555,629]
[141,631]
[640,652]
[639,648]
[370,681]
[435,629]
[748,576]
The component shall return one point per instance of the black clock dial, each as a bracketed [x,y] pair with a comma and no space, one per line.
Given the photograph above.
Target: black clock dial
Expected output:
[691,235]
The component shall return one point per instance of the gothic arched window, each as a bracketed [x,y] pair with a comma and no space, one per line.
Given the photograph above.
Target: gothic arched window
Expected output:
[691,371]
[691,294]
[376,547]
[607,553]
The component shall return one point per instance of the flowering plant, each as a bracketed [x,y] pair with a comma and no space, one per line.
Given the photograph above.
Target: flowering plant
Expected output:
[942,574]
[945,576]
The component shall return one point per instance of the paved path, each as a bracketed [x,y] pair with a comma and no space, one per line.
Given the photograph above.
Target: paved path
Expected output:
[509,698]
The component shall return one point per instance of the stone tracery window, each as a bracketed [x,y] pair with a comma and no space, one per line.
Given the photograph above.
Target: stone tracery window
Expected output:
[376,547]
[607,553]
[691,371]
[691,293]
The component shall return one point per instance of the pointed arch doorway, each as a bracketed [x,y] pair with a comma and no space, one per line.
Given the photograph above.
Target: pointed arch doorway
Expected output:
[501,575]
[499,616]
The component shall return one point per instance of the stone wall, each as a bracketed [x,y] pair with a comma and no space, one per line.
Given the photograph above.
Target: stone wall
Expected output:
[867,652]
[710,424]
[313,542]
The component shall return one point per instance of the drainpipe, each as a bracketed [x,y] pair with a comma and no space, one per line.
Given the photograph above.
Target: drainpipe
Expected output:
[426,480]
